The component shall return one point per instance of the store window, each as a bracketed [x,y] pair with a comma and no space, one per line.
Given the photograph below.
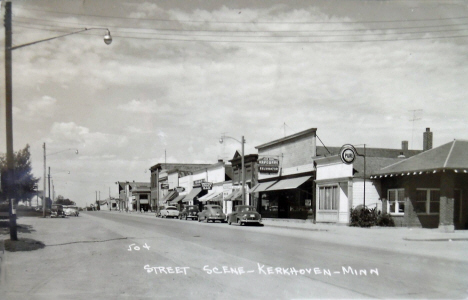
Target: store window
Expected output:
[427,201]
[329,197]
[396,201]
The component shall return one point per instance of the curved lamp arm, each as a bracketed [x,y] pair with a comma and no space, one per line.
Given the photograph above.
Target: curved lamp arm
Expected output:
[76,151]
[221,140]
[107,38]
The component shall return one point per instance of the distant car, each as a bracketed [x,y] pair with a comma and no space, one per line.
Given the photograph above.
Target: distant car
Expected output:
[169,212]
[71,210]
[244,214]
[189,212]
[211,213]
[57,211]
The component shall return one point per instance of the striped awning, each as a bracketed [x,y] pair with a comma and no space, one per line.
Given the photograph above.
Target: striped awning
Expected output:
[193,193]
[236,195]
[262,186]
[287,184]
[177,199]
[170,196]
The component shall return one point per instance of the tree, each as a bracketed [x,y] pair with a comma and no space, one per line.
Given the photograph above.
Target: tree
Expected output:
[24,181]
[63,201]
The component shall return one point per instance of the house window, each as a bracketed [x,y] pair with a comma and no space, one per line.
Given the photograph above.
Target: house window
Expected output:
[328,197]
[427,201]
[396,201]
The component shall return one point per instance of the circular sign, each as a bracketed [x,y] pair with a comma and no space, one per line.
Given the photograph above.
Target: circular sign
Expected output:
[348,154]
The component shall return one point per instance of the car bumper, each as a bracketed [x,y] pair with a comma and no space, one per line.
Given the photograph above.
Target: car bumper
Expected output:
[216,218]
[251,221]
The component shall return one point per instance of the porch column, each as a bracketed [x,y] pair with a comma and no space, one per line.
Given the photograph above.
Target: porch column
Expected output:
[446,213]
[384,205]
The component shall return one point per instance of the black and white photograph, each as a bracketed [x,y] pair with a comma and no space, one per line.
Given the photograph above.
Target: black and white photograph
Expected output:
[234,149]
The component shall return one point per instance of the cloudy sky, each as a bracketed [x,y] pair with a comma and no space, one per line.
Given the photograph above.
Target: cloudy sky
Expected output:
[179,74]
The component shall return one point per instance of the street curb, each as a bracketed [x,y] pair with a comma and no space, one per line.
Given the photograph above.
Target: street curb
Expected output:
[436,240]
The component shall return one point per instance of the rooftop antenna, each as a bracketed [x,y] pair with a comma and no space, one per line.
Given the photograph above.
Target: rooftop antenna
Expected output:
[414,119]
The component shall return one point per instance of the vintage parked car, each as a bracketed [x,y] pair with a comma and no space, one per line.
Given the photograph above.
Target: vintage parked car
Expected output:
[169,212]
[57,211]
[189,212]
[211,213]
[244,214]
[71,210]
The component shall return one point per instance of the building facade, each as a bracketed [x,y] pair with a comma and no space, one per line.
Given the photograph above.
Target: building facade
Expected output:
[285,186]
[428,190]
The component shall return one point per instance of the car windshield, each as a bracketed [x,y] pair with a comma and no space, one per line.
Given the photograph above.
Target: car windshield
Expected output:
[171,208]
[191,207]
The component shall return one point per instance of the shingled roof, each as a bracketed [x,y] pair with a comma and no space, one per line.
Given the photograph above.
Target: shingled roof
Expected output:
[450,156]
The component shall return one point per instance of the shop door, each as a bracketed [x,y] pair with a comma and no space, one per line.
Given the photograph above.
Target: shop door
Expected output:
[283,209]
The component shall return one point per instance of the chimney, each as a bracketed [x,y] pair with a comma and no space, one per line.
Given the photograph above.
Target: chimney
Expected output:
[404,145]
[427,139]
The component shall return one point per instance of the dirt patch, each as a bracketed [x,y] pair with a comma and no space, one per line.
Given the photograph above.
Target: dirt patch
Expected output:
[23,245]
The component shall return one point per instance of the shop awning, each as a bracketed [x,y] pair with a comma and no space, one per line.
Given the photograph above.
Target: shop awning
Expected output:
[287,184]
[170,196]
[210,196]
[193,193]
[261,187]
[205,197]
[234,195]
[177,199]
[218,197]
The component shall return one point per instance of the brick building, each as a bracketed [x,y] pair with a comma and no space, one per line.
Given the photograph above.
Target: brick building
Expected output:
[429,189]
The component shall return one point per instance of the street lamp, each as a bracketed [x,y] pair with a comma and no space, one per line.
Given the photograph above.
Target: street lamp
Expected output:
[242,141]
[9,104]
[44,202]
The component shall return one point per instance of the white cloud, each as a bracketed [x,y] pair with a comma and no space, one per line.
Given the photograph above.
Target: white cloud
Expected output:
[144,106]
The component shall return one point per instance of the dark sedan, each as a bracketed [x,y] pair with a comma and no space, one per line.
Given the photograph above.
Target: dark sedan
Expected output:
[245,214]
[189,212]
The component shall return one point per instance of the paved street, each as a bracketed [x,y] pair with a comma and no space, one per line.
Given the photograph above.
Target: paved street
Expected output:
[109,255]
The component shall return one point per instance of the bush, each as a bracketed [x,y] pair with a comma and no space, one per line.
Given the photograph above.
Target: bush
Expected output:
[385,220]
[363,217]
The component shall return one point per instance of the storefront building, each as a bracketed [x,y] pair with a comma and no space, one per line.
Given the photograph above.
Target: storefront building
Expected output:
[286,177]
[232,194]
[140,195]
[341,187]
[165,179]
[207,184]
[428,190]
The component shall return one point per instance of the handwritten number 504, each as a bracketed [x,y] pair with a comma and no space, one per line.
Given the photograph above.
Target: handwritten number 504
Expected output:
[134,247]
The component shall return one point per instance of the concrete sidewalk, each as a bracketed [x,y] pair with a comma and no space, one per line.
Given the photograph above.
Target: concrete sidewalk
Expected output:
[402,233]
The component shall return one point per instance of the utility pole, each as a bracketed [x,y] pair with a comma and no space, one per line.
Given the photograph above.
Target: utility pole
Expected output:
[9,121]
[49,184]
[44,202]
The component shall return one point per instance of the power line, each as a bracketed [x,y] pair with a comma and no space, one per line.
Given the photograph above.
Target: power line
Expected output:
[287,42]
[238,31]
[256,36]
[249,22]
